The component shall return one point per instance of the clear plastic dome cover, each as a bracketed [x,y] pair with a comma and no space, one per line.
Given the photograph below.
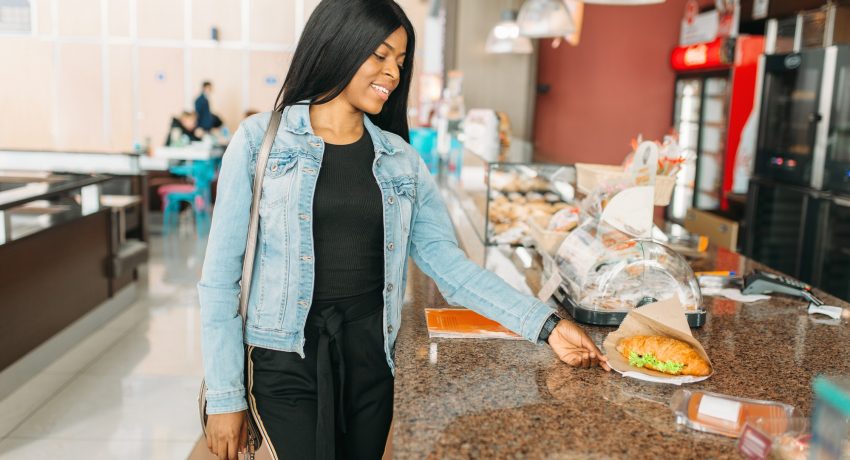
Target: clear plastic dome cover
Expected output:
[615,273]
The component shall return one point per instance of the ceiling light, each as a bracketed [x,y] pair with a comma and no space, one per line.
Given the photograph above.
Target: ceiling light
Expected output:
[505,37]
[545,19]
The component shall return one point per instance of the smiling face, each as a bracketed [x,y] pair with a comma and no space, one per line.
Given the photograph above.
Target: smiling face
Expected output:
[378,76]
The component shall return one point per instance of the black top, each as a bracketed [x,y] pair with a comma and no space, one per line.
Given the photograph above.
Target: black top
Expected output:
[348,223]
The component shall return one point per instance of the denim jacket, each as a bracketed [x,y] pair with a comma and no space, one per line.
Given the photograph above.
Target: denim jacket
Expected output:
[416,224]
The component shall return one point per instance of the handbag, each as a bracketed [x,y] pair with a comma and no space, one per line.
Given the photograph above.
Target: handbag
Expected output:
[255,437]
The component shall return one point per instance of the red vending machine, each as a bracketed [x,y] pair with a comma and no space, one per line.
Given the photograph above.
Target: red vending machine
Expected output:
[715,92]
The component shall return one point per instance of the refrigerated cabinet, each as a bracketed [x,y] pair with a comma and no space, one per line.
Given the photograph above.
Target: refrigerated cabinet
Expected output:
[833,270]
[714,100]
[838,144]
[782,226]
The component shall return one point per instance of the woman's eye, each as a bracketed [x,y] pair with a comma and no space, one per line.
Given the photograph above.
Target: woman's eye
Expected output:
[380,58]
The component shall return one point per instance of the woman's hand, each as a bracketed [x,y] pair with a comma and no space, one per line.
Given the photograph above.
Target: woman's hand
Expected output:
[227,434]
[574,347]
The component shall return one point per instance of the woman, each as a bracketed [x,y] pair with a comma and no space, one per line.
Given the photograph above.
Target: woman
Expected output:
[345,200]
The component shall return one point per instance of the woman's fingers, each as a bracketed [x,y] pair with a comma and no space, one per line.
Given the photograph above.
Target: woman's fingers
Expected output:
[603,363]
[232,448]
[243,435]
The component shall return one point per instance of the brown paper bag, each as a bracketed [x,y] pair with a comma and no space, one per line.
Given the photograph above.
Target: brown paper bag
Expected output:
[665,318]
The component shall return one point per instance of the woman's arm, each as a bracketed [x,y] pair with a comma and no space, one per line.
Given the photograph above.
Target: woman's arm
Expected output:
[435,250]
[462,282]
[218,291]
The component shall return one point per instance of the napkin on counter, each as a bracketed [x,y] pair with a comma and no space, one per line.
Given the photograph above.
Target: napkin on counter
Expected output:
[733,294]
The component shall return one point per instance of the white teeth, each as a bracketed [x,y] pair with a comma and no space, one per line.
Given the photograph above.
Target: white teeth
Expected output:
[381,89]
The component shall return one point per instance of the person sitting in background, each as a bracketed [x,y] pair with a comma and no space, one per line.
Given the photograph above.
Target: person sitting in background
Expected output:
[206,119]
[185,125]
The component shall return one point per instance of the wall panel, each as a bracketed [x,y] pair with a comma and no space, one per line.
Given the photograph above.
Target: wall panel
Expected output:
[224,69]
[273,21]
[119,18]
[267,70]
[80,101]
[26,94]
[160,19]
[224,14]
[120,134]
[79,18]
[160,91]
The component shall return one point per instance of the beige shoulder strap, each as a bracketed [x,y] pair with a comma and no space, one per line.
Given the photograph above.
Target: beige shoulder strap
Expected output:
[251,244]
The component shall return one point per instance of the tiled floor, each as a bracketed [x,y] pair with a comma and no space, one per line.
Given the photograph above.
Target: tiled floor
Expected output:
[129,390]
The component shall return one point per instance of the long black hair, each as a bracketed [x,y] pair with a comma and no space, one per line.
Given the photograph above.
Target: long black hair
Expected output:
[339,36]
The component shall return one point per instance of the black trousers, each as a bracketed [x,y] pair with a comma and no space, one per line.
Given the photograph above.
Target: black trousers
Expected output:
[337,402]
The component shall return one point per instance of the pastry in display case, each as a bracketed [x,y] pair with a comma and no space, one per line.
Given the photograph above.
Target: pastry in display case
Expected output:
[521,196]
[607,273]
[508,203]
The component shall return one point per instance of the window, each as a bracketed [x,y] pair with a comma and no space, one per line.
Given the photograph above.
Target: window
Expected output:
[15,17]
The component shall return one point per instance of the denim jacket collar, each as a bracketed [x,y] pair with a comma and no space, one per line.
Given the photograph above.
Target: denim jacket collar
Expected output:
[296,119]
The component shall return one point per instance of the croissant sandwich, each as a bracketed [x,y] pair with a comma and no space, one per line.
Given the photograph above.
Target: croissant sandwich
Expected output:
[663,354]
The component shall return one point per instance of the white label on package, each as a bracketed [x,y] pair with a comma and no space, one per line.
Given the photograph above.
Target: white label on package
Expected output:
[549,286]
[719,408]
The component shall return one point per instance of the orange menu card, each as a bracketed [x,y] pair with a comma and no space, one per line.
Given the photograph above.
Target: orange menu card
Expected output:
[460,323]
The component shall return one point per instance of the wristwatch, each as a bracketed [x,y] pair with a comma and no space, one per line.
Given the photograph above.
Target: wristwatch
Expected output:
[548,327]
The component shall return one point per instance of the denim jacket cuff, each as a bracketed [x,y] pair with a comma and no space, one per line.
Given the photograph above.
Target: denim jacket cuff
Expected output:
[226,402]
[534,320]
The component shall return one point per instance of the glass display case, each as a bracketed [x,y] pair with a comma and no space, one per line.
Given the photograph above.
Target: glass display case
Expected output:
[33,201]
[606,273]
[504,203]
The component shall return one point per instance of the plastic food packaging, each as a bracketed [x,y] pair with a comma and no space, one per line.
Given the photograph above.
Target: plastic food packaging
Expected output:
[790,438]
[775,439]
[726,415]
[624,273]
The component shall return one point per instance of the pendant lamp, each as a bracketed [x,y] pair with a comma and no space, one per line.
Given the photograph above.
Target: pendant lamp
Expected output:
[505,37]
[545,19]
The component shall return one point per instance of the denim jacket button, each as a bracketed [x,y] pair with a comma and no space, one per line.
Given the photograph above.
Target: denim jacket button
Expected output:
[389,287]
[391,200]
[390,329]
[391,246]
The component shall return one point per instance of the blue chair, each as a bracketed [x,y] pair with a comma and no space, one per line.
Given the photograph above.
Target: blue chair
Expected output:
[197,195]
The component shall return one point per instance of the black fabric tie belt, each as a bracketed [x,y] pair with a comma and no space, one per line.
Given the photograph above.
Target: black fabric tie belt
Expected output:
[329,318]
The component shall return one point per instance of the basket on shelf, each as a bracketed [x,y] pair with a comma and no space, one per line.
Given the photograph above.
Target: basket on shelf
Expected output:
[545,240]
[591,175]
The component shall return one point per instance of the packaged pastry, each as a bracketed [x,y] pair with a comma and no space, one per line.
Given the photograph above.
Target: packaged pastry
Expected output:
[564,220]
[726,415]
[534,197]
[551,197]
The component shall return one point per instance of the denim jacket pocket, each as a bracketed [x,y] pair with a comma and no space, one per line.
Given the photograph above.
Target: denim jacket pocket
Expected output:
[278,180]
[405,190]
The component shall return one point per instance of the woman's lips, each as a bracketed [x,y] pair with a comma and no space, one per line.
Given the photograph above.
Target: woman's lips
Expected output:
[381,91]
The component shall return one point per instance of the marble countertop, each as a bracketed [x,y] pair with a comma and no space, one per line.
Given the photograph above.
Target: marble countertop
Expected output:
[459,399]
